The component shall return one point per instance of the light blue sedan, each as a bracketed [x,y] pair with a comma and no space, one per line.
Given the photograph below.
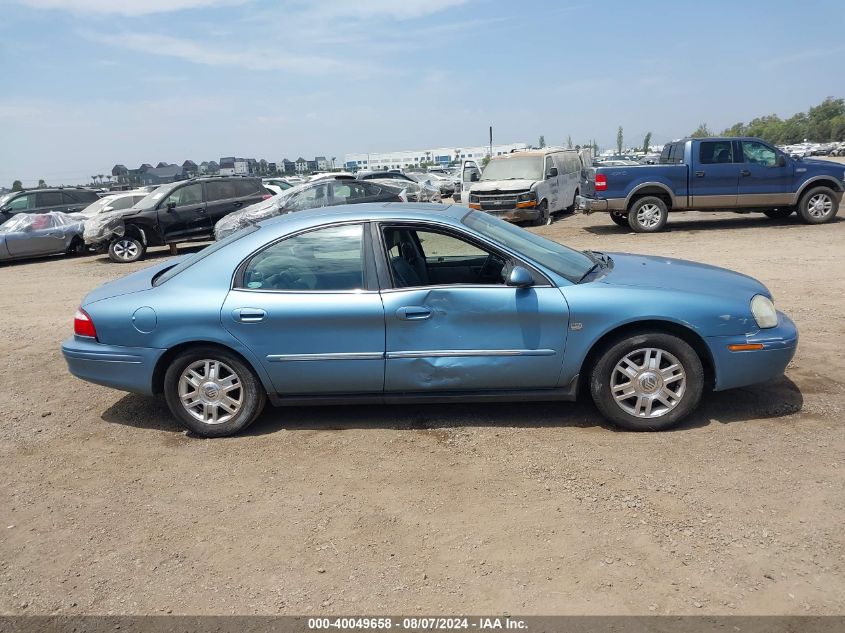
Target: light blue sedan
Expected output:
[423,303]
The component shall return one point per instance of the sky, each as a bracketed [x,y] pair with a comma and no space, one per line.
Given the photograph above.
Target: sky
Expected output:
[91,83]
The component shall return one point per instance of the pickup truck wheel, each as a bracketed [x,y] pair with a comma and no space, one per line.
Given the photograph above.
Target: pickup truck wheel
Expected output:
[620,218]
[647,382]
[126,249]
[779,214]
[818,205]
[648,215]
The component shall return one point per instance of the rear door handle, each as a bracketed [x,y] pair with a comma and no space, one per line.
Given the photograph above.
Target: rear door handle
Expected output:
[699,174]
[745,172]
[238,203]
[413,313]
[249,315]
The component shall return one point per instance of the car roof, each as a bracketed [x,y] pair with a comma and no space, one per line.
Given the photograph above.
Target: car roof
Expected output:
[371,211]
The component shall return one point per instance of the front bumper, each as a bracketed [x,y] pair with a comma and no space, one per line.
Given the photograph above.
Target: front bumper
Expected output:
[124,368]
[588,205]
[739,369]
[524,214]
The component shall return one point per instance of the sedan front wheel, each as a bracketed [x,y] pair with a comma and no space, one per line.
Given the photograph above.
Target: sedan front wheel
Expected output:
[648,382]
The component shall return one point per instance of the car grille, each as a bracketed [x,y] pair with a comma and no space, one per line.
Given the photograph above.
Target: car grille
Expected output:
[504,201]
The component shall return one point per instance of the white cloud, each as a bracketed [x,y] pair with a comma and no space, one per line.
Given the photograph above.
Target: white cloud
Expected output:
[365,9]
[125,7]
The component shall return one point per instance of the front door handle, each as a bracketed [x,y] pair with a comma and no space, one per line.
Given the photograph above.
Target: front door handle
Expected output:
[238,203]
[745,172]
[249,315]
[699,174]
[413,313]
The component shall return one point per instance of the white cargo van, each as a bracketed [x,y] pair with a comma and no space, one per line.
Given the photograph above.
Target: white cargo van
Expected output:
[528,186]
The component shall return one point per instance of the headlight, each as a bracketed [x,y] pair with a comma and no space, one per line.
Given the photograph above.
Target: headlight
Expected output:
[525,197]
[764,312]
[473,199]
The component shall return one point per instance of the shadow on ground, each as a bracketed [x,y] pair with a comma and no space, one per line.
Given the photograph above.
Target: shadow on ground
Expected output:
[775,399]
[741,221]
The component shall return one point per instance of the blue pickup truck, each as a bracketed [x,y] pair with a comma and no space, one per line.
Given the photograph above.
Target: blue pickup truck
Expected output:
[732,174]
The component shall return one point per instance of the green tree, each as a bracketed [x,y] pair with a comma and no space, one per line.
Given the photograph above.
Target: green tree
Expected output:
[485,161]
[619,139]
[569,142]
[542,141]
[41,183]
[701,131]
[17,186]
[646,143]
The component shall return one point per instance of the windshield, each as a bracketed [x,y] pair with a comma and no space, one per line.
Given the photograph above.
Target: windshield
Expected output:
[155,197]
[16,223]
[566,262]
[514,168]
[6,197]
[95,207]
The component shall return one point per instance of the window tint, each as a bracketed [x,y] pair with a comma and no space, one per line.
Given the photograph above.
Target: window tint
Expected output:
[759,154]
[325,259]
[22,203]
[316,196]
[49,199]
[347,192]
[220,190]
[244,188]
[715,152]
[183,196]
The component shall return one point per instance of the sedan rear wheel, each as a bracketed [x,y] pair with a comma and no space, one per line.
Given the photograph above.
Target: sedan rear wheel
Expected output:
[212,392]
[126,249]
[647,382]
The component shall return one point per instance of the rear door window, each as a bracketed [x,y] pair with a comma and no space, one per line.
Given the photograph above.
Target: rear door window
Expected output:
[48,199]
[715,152]
[220,190]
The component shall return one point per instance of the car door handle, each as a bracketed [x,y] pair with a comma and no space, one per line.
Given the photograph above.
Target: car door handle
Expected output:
[201,210]
[699,174]
[413,313]
[238,203]
[249,315]
[745,172]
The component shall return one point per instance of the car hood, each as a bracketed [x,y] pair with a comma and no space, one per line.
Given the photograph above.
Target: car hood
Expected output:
[678,274]
[501,185]
[134,282]
[819,164]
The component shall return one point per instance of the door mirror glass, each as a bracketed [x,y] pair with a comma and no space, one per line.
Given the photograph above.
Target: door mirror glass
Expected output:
[520,277]
[552,173]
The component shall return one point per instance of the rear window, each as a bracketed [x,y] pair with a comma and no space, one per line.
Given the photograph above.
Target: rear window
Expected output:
[190,260]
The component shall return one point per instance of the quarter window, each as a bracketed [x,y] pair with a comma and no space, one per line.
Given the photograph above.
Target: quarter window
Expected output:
[329,259]
[759,154]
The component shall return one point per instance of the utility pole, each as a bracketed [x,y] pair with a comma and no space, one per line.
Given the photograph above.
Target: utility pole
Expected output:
[491,142]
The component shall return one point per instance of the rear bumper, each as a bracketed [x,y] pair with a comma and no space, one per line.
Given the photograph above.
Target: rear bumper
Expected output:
[124,368]
[739,369]
[588,205]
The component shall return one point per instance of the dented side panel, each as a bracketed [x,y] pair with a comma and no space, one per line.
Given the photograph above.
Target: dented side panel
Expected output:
[474,337]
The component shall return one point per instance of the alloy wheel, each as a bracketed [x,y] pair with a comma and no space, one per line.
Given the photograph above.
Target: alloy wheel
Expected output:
[648,383]
[820,205]
[648,216]
[126,249]
[211,391]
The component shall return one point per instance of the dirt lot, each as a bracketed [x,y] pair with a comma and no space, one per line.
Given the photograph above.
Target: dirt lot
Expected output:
[108,507]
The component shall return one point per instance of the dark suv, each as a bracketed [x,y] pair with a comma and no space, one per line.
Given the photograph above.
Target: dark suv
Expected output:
[182,211]
[64,199]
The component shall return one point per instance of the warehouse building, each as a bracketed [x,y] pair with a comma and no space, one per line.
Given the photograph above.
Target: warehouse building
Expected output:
[378,161]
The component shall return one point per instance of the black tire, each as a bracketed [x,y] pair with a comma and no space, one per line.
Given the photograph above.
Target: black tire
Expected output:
[544,218]
[620,218]
[249,392]
[818,205]
[648,215]
[571,207]
[126,249]
[779,214]
[77,247]
[604,373]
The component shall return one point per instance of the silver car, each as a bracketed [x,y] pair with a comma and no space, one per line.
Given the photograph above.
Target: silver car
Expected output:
[39,234]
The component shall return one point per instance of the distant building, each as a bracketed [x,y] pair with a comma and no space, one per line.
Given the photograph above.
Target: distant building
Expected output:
[288,167]
[190,167]
[301,165]
[377,161]
[232,166]
[322,163]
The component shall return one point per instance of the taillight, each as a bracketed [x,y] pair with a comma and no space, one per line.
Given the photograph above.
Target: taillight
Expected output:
[601,182]
[83,325]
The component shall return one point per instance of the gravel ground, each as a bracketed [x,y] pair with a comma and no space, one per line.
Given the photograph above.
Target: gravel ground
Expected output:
[108,507]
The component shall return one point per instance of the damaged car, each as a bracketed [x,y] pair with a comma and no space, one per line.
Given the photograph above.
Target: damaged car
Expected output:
[415,303]
[39,234]
[324,191]
[183,211]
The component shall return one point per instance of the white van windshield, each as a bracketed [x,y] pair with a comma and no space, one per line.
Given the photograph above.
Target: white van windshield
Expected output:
[514,168]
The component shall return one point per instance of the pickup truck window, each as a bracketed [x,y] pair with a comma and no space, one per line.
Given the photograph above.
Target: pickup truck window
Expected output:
[759,154]
[715,152]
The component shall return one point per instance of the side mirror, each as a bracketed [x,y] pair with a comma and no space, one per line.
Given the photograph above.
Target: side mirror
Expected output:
[781,160]
[171,205]
[519,277]
[552,173]
[473,177]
